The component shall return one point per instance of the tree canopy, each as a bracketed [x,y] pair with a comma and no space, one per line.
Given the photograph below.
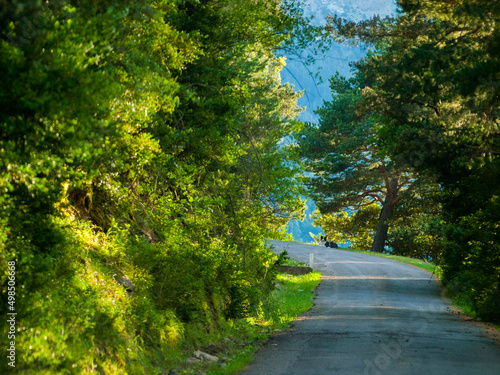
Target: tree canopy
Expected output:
[432,85]
[350,170]
[140,141]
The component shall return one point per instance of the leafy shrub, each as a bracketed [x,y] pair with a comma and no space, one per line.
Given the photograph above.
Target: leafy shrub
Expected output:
[357,227]
[472,260]
[140,140]
[419,238]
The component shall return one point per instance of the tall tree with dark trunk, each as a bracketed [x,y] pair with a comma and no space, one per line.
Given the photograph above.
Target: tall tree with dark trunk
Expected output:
[435,82]
[350,171]
[391,199]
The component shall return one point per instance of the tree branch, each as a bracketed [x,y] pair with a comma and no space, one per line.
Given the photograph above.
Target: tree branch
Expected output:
[366,204]
[436,109]
[372,195]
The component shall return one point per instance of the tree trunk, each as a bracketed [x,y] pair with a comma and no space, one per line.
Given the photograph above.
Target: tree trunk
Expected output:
[385,217]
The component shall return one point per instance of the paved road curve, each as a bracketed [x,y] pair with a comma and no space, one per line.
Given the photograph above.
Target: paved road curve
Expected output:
[375,316]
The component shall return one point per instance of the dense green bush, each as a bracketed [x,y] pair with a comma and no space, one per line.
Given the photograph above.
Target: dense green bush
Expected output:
[139,143]
[417,229]
[472,261]
[357,227]
[433,89]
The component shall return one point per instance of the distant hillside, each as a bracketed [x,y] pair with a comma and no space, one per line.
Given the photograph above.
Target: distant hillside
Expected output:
[352,9]
[336,59]
[300,229]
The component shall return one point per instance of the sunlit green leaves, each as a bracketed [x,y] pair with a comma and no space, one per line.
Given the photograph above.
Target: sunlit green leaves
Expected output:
[433,84]
[141,138]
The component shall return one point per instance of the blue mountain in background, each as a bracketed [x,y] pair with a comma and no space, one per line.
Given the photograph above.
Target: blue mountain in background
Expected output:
[337,58]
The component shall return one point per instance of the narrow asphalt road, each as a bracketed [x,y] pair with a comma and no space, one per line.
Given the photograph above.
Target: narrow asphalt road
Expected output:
[374,316]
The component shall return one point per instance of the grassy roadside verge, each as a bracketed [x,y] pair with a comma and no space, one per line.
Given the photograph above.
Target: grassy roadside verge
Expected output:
[292,297]
[235,341]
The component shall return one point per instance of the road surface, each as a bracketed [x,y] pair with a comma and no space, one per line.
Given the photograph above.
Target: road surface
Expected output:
[375,316]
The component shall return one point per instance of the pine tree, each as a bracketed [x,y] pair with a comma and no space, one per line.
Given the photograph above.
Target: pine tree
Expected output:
[350,170]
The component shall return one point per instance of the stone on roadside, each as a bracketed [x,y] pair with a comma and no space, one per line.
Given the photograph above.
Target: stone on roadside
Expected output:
[205,356]
[295,270]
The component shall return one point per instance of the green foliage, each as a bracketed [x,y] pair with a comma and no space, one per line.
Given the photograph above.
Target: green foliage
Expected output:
[292,299]
[433,85]
[357,227]
[351,170]
[417,237]
[473,260]
[140,142]
[340,151]
[417,229]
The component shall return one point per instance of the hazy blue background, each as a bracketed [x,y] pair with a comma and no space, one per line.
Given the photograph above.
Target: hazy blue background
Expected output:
[336,59]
